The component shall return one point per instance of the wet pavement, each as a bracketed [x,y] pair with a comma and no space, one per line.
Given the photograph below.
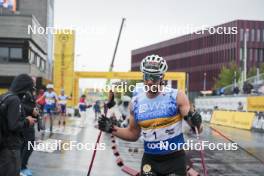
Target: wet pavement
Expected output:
[60,162]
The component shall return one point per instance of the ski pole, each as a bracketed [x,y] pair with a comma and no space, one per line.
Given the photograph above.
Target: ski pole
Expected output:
[94,153]
[201,153]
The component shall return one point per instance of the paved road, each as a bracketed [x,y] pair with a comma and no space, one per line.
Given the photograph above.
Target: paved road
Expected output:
[75,163]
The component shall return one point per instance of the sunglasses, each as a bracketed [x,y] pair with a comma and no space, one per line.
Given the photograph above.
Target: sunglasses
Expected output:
[151,77]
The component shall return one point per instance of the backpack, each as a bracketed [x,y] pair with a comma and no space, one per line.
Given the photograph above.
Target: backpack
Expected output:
[3,107]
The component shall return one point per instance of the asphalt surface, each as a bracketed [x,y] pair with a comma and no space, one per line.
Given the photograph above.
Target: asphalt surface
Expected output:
[58,162]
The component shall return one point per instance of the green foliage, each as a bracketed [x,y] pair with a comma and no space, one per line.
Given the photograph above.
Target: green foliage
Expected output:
[252,72]
[261,68]
[227,76]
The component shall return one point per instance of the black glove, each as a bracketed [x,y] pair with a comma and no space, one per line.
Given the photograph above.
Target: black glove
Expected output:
[195,118]
[105,124]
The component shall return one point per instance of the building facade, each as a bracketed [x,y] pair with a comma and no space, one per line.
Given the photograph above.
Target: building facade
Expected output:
[202,55]
[21,50]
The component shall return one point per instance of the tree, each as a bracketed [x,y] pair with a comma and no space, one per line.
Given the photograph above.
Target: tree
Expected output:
[261,68]
[252,72]
[227,75]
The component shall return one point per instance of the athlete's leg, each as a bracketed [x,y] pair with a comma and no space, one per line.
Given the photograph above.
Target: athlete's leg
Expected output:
[63,110]
[147,167]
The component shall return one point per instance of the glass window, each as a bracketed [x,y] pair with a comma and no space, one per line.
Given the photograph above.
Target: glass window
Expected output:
[38,62]
[32,57]
[250,55]
[4,53]
[262,35]
[29,54]
[16,53]
[42,67]
[256,55]
[261,59]
[241,53]
[241,35]
[258,35]
[247,34]
[252,35]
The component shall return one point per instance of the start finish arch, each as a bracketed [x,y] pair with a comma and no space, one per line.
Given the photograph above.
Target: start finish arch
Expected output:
[180,77]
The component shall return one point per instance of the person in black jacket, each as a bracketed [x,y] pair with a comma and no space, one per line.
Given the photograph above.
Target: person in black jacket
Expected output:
[29,107]
[14,123]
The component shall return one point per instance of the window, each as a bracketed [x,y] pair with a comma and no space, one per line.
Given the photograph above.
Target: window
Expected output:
[250,55]
[241,35]
[262,35]
[4,54]
[42,65]
[258,35]
[256,55]
[252,35]
[16,53]
[247,34]
[261,58]
[32,57]
[241,54]
[38,61]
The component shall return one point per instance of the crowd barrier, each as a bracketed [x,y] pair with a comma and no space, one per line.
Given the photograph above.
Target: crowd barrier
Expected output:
[231,103]
[255,103]
[242,120]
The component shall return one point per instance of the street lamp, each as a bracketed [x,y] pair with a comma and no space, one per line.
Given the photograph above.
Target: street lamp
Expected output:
[204,86]
[235,81]
[245,55]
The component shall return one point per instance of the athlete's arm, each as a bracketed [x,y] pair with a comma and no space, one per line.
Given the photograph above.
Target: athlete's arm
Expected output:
[131,133]
[183,103]
[184,107]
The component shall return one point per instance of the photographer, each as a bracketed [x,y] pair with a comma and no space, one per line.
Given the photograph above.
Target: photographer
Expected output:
[29,107]
[12,125]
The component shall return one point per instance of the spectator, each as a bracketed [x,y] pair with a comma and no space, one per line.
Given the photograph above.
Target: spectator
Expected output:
[240,106]
[247,87]
[236,90]
[82,109]
[41,102]
[97,109]
[29,106]
[14,123]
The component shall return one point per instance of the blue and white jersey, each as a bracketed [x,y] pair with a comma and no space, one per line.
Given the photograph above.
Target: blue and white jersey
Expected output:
[50,98]
[160,121]
[63,99]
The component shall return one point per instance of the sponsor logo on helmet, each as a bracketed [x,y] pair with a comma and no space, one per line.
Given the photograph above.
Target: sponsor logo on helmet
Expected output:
[152,65]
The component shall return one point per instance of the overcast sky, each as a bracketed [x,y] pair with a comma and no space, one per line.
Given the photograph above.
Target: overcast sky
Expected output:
[147,22]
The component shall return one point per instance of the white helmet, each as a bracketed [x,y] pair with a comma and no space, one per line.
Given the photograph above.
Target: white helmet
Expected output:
[153,64]
[50,86]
